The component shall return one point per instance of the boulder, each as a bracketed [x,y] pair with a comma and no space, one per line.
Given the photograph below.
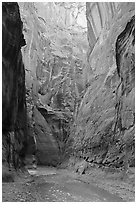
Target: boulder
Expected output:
[81,167]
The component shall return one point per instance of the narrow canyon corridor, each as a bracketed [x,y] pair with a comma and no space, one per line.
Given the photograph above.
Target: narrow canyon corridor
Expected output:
[56,185]
[68,101]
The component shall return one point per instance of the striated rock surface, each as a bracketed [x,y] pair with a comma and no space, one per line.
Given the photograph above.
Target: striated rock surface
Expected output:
[104,127]
[79,63]
[14,126]
[54,58]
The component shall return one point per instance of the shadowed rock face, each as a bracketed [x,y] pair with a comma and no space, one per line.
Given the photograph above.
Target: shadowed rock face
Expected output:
[13,86]
[105,122]
[47,146]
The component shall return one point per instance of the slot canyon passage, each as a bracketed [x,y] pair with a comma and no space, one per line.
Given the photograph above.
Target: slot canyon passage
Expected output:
[68,101]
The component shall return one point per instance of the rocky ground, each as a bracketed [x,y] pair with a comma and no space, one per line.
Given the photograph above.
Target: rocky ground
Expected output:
[60,185]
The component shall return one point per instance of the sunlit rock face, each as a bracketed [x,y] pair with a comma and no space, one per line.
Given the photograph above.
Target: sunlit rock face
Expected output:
[56,38]
[14,128]
[104,126]
[99,18]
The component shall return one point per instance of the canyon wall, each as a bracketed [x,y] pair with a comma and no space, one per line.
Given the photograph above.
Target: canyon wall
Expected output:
[103,130]
[79,65]
[14,118]
[55,35]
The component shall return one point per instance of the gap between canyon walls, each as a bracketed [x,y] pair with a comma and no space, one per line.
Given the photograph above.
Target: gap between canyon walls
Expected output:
[78,103]
[76,96]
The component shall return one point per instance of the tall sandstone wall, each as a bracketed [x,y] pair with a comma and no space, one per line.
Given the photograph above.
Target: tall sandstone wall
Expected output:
[53,59]
[14,126]
[104,127]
